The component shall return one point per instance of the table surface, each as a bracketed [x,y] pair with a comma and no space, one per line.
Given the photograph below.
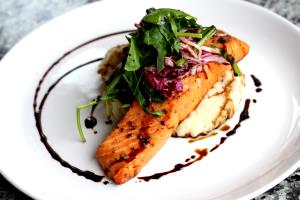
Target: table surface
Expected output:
[19,17]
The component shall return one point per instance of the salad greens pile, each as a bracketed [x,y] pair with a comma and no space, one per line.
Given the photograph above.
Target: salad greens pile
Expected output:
[156,37]
[158,47]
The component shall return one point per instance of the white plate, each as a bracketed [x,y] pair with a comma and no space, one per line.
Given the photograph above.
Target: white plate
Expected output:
[264,151]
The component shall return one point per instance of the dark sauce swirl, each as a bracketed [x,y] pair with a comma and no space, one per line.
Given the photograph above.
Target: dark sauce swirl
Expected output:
[38,109]
[243,116]
[202,153]
[38,115]
[90,122]
[257,83]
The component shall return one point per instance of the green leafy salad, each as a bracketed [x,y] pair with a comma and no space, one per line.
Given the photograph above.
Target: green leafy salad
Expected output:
[167,46]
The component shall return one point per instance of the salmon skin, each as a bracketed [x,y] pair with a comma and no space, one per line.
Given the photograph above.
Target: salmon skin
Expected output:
[139,135]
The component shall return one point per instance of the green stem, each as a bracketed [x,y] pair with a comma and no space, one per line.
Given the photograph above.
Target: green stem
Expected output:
[208,33]
[137,85]
[79,126]
[234,65]
[88,105]
[236,69]
[156,113]
[78,109]
[125,105]
[193,35]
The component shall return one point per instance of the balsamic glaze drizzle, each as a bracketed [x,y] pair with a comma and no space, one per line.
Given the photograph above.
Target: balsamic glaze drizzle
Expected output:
[257,83]
[39,108]
[202,153]
[243,116]
[258,89]
[93,109]
[90,122]
[38,115]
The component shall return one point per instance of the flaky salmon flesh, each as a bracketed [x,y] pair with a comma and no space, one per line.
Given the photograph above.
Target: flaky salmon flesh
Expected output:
[139,135]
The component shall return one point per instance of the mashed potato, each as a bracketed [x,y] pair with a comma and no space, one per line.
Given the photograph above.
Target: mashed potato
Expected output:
[220,103]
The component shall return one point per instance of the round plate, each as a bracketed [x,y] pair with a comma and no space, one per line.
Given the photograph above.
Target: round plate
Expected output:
[264,150]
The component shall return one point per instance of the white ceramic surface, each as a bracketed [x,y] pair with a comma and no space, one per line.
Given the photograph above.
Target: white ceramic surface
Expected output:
[264,151]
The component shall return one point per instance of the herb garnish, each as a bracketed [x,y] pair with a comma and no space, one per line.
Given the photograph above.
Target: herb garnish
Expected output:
[79,108]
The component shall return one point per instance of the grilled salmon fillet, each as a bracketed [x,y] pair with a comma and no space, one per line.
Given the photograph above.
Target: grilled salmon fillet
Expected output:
[139,135]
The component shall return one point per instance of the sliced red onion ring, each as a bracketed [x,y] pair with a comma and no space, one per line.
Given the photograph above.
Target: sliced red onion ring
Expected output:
[186,41]
[169,62]
[214,58]
[211,50]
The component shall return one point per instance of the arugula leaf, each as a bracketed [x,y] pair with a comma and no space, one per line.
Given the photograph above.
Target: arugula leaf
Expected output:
[170,36]
[183,23]
[173,24]
[157,16]
[133,82]
[133,59]
[151,94]
[153,37]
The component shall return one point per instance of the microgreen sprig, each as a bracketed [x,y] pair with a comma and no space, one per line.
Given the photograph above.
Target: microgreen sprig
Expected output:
[103,99]
[78,109]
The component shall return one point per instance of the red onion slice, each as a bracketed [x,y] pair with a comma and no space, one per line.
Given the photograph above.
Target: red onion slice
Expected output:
[211,50]
[214,58]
